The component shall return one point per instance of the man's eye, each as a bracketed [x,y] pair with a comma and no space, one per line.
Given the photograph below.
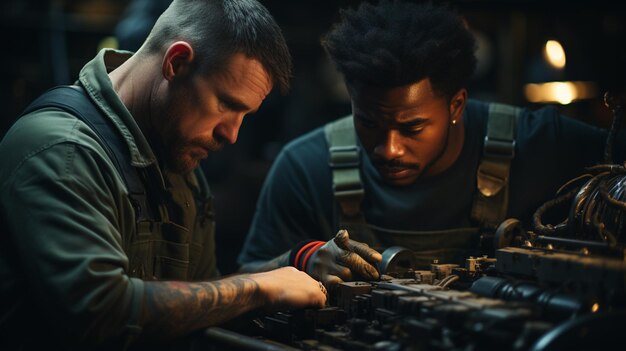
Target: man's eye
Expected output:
[414,129]
[224,105]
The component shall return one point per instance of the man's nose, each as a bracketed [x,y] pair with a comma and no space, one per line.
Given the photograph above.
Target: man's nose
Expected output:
[228,130]
[390,147]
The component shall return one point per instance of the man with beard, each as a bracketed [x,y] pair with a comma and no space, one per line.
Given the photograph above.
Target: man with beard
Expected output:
[107,238]
[436,170]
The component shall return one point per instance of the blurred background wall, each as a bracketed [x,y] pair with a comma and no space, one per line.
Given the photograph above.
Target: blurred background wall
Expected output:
[531,53]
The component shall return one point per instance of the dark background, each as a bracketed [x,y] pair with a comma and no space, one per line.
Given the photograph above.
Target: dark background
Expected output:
[47,42]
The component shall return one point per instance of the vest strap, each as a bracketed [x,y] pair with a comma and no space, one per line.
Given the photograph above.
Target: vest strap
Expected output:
[492,177]
[344,161]
[74,100]
[491,200]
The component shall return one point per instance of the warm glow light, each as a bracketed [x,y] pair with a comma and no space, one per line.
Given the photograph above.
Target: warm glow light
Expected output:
[564,92]
[595,307]
[560,92]
[554,53]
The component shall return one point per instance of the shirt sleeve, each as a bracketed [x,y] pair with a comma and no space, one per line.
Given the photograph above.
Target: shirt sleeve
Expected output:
[552,150]
[295,203]
[571,144]
[64,226]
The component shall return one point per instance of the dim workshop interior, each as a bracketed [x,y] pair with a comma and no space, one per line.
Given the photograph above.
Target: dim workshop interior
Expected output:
[555,282]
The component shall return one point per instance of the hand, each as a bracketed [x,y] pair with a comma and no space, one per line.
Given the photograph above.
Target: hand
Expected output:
[289,288]
[343,259]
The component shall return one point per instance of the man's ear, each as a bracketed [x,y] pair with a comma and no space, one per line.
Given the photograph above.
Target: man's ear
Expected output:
[178,60]
[457,104]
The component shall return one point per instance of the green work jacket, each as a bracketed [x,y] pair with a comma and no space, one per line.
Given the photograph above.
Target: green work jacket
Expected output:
[73,255]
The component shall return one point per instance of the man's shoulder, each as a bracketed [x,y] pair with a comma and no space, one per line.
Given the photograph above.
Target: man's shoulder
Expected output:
[477,110]
[40,132]
[310,143]
[44,127]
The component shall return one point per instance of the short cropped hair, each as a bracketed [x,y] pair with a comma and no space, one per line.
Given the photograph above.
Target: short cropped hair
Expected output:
[217,29]
[395,43]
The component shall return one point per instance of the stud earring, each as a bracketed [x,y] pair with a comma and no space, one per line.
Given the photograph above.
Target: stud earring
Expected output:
[454,122]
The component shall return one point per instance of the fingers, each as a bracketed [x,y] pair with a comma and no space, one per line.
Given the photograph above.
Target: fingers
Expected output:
[324,291]
[361,258]
[324,264]
[341,239]
[331,280]
[358,265]
[342,272]
[370,255]
[288,287]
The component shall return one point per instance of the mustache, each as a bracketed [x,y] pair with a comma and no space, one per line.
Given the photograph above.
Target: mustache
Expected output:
[209,144]
[394,164]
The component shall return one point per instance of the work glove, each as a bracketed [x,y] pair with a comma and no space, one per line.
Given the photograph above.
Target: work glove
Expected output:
[343,259]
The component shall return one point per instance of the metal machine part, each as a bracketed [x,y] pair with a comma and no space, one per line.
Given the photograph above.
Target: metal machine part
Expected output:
[597,199]
[558,287]
[398,260]
[525,299]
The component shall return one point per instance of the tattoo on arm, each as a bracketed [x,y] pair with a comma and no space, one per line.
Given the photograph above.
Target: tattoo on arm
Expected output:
[174,309]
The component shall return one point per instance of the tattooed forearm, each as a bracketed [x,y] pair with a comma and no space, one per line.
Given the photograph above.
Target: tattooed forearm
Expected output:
[264,266]
[176,308]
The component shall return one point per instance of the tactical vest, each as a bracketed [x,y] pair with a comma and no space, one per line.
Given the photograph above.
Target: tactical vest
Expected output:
[489,206]
[160,248]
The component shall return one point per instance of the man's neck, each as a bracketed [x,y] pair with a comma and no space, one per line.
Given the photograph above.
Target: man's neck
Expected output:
[132,81]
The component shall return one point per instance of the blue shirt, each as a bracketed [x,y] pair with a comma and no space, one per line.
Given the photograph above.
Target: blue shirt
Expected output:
[296,201]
